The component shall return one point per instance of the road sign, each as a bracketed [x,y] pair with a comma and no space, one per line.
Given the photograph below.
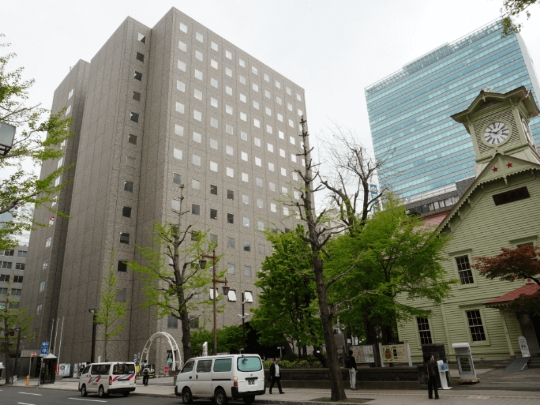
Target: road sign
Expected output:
[34,354]
[44,348]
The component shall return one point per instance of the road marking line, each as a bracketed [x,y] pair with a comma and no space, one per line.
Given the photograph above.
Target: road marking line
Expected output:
[91,400]
[30,393]
[24,403]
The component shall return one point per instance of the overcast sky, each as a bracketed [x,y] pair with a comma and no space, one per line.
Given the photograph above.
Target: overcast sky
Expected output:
[332,48]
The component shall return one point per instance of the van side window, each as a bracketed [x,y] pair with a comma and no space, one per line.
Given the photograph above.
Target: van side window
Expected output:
[188,367]
[221,365]
[249,363]
[204,366]
[120,369]
[101,369]
[86,370]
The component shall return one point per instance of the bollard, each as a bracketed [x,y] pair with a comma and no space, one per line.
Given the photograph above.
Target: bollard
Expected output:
[27,380]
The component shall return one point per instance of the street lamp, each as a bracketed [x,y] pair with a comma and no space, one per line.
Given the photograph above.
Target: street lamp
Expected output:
[7,134]
[93,311]
[202,264]
[247,297]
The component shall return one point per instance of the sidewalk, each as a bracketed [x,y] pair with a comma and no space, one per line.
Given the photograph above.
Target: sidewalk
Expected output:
[473,394]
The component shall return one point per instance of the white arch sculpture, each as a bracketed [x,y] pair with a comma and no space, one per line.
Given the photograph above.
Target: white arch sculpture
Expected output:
[172,344]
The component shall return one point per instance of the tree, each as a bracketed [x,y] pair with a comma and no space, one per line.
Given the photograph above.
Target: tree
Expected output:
[13,323]
[514,8]
[19,186]
[172,276]
[288,294]
[110,311]
[520,263]
[397,257]
[228,339]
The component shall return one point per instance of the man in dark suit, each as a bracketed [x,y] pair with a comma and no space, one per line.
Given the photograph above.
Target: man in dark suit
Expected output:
[275,375]
[432,371]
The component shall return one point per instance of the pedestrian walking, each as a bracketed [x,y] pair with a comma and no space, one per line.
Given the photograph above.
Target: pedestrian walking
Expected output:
[275,375]
[432,372]
[350,363]
[146,375]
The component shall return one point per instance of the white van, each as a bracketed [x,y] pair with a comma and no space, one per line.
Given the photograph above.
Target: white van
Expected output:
[229,376]
[108,378]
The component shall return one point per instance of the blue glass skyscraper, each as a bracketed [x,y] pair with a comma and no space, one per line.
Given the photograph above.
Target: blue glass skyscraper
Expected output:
[409,111]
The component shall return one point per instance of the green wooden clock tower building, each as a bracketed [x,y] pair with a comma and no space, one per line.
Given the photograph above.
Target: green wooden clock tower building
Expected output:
[501,208]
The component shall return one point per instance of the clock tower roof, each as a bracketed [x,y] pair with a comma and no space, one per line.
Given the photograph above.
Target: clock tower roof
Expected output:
[487,99]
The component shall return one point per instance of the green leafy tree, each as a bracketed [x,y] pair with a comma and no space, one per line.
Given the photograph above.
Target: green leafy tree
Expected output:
[288,294]
[520,263]
[14,322]
[512,9]
[111,311]
[172,277]
[39,138]
[228,339]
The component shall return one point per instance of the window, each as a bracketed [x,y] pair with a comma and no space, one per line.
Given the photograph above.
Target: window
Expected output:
[213,214]
[244,156]
[511,196]
[256,123]
[197,94]
[228,90]
[214,64]
[284,190]
[177,179]
[475,325]
[136,96]
[229,129]
[278,100]
[10,252]
[5,277]
[228,72]
[268,111]
[229,150]
[196,209]
[243,98]
[228,109]
[278,84]
[258,182]
[182,46]
[175,205]
[242,79]
[282,153]
[120,295]
[256,104]
[423,331]
[140,56]
[273,207]
[20,266]
[245,177]
[196,160]
[213,189]
[124,238]
[285,211]
[199,37]
[214,82]
[245,222]
[258,161]
[172,322]
[42,286]
[183,27]
[230,218]
[281,135]
[195,184]
[198,74]
[230,268]
[289,106]
[199,55]
[230,172]
[262,249]
[177,153]
[266,78]
[283,171]
[132,139]
[243,116]
[39,308]
[255,87]
[259,203]
[179,107]
[141,38]
[230,195]
[13,305]
[269,129]
[214,122]
[17,279]
[48,242]
[247,247]
[257,142]
[270,147]
[126,212]
[181,66]
[197,137]
[178,130]
[45,264]
[243,135]
[230,242]
[70,94]
[245,199]
[130,161]
[464,270]
[213,143]
[214,46]
[3,290]
[267,94]
[292,140]
[298,97]
[288,90]
[260,225]
[134,117]
[247,271]
[271,166]
[122,266]
[137,76]
[194,323]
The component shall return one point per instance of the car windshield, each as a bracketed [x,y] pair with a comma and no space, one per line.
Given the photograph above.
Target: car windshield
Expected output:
[249,363]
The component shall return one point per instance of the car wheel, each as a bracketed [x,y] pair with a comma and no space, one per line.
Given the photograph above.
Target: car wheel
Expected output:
[101,392]
[83,391]
[186,396]
[220,398]
[125,393]
[249,400]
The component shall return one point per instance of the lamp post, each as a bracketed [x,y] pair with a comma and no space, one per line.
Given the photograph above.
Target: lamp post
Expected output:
[246,297]
[93,311]
[202,264]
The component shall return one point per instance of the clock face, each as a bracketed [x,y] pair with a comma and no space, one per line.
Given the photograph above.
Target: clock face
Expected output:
[527,130]
[496,133]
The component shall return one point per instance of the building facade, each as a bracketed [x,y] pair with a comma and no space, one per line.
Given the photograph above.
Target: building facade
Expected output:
[12,267]
[156,108]
[498,209]
[409,111]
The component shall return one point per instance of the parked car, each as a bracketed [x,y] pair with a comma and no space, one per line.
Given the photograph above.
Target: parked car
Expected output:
[224,377]
[108,378]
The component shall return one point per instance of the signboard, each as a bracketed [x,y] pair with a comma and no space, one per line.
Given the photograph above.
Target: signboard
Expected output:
[363,354]
[465,362]
[398,353]
[44,348]
[524,347]
[34,354]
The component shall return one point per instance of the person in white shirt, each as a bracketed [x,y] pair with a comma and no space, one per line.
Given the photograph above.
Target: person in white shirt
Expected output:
[276,376]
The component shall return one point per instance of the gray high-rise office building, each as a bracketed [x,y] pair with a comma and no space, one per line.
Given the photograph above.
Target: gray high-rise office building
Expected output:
[409,111]
[156,108]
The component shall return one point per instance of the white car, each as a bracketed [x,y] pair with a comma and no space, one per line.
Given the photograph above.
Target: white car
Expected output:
[108,378]
[229,376]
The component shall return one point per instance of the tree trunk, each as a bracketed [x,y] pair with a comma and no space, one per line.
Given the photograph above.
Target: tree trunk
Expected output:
[186,337]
